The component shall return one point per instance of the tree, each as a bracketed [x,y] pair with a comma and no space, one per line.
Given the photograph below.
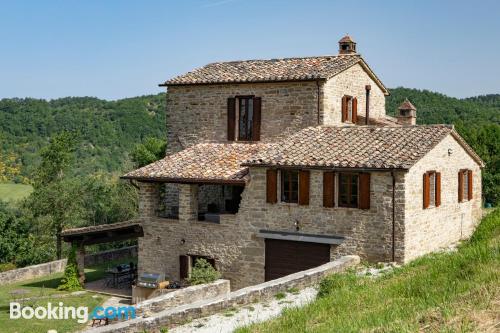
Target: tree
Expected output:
[70,280]
[151,150]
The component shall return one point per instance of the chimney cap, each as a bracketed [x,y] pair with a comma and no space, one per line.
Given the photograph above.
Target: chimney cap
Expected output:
[406,105]
[346,39]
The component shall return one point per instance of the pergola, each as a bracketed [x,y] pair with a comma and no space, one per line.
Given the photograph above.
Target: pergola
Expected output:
[98,234]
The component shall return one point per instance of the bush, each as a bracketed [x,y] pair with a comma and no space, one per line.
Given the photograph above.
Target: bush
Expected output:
[70,281]
[7,266]
[203,272]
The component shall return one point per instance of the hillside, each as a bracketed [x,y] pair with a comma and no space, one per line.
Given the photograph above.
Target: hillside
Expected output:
[106,130]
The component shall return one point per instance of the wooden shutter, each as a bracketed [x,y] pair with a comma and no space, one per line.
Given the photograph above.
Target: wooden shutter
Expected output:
[231,119]
[460,186]
[354,110]
[438,189]
[304,187]
[469,187]
[426,190]
[272,186]
[364,190]
[184,267]
[344,108]
[257,102]
[328,189]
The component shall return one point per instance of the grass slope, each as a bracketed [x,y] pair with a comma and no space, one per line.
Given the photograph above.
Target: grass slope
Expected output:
[14,192]
[443,292]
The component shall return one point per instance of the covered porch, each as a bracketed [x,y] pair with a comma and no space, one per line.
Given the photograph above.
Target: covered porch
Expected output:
[106,233]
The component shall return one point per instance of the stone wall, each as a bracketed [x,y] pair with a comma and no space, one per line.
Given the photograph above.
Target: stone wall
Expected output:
[239,254]
[351,82]
[183,296]
[429,229]
[32,272]
[198,113]
[203,308]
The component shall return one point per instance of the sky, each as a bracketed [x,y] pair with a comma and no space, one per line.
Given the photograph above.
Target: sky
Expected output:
[114,49]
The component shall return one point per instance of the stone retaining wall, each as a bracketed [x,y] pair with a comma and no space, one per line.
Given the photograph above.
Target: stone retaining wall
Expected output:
[35,271]
[32,272]
[183,296]
[206,307]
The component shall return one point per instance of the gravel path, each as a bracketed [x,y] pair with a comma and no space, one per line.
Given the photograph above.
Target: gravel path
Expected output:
[231,319]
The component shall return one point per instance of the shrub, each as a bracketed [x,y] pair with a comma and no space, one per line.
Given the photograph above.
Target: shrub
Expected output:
[7,266]
[70,281]
[203,272]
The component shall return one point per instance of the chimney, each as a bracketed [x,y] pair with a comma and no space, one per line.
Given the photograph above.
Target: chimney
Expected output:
[347,45]
[407,113]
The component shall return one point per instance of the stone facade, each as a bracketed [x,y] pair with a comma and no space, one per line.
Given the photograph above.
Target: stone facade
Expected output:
[351,82]
[239,254]
[432,228]
[198,113]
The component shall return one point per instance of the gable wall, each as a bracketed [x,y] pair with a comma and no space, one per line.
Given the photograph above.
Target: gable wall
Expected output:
[429,229]
[351,82]
[198,113]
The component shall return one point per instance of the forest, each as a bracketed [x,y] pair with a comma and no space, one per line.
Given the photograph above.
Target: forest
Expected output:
[73,150]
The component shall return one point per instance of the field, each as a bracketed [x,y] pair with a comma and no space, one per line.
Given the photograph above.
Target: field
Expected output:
[444,292]
[13,192]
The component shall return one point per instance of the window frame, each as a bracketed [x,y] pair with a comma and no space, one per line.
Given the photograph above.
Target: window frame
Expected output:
[349,190]
[465,184]
[349,106]
[291,199]
[249,121]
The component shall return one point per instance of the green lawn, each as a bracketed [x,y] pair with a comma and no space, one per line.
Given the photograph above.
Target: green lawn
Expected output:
[46,286]
[13,192]
[445,292]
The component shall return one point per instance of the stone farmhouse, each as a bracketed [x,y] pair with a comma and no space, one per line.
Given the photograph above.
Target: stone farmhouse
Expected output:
[276,166]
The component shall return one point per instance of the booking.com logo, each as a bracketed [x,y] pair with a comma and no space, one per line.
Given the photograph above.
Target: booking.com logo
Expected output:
[61,312]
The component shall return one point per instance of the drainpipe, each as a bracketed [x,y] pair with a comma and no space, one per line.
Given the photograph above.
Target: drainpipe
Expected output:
[393,216]
[317,92]
[367,89]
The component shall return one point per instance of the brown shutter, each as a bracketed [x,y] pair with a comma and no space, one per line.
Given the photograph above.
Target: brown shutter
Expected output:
[469,187]
[364,190]
[460,186]
[184,267]
[272,186]
[304,187]
[328,189]
[426,190]
[354,110]
[231,119]
[438,189]
[257,101]
[344,108]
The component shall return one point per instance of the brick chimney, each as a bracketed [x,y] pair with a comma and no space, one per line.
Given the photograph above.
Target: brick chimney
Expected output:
[347,45]
[407,113]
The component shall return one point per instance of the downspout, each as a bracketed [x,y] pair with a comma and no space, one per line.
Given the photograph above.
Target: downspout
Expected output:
[393,216]
[317,92]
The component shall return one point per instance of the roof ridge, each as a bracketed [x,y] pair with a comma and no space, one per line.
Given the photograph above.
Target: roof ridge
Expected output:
[287,58]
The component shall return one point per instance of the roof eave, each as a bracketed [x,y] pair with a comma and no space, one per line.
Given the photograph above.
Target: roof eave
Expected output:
[165,84]
[185,180]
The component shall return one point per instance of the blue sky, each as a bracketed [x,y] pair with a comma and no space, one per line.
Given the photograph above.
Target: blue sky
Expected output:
[113,49]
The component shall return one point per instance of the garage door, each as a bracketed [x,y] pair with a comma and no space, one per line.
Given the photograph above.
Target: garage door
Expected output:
[287,257]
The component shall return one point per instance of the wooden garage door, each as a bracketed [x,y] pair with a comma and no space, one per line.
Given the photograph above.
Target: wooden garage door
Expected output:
[287,257]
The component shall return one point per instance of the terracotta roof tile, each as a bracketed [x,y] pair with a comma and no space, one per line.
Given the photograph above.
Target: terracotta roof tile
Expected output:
[285,69]
[371,147]
[202,162]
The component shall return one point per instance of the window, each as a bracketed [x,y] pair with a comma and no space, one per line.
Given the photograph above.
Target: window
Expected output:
[348,190]
[349,109]
[245,118]
[464,185]
[290,186]
[432,189]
